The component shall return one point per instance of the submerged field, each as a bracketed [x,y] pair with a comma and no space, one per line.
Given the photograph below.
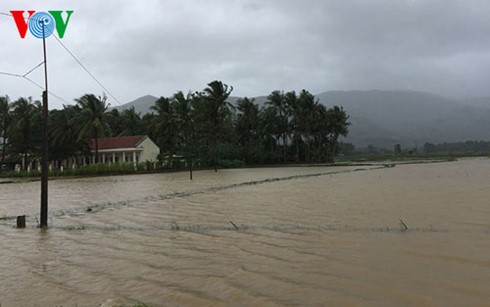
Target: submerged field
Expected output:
[306,236]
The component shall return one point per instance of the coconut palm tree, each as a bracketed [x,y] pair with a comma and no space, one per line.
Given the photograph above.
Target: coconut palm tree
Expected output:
[183,111]
[307,115]
[216,95]
[115,121]
[277,101]
[163,125]
[247,126]
[4,122]
[95,119]
[339,126]
[25,116]
[270,132]
[131,122]
[65,126]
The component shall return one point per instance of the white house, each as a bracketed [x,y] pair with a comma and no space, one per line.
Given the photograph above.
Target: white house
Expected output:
[131,149]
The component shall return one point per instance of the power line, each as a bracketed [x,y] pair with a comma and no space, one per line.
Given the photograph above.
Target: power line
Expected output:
[86,70]
[24,76]
[9,74]
[49,92]
[76,60]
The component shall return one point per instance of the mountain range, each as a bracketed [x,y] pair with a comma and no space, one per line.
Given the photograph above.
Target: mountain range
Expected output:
[385,118]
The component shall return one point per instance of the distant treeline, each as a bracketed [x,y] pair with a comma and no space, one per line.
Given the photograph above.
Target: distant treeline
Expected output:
[466,148]
[458,147]
[203,125]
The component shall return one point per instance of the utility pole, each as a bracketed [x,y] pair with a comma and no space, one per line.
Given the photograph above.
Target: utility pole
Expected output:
[44,147]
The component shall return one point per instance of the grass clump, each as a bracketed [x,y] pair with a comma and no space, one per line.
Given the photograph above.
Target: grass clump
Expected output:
[175,226]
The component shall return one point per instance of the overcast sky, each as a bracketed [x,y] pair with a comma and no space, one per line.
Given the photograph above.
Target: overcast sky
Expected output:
[158,47]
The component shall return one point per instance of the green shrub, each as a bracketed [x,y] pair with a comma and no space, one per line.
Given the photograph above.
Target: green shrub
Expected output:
[231,163]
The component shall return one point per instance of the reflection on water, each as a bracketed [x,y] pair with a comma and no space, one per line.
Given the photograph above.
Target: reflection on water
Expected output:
[306,236]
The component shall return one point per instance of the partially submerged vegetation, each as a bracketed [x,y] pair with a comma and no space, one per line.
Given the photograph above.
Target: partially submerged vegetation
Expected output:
[180,165]
[390,157]
[120,169]
[445,151]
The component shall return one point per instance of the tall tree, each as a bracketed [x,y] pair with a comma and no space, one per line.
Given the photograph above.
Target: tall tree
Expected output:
[276,100]
[95,117]
[65,126]
[25,117]
[296,120]
[307,115]
[131,122]
[182,106]
[339,126]
[163,123]
[4,122]
[116,122]
[247,127]
[147,123]
[217,94]
[270,132]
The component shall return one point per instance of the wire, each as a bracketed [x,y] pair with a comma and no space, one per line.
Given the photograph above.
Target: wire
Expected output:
[35,83]
[24,75]
[9,74]
[49,92]
[31,81]
[74,57]
[86,70]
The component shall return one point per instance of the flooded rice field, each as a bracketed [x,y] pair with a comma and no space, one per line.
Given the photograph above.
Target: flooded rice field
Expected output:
[306,236]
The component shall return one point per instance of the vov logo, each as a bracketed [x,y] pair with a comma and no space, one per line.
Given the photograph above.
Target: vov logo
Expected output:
[39,20]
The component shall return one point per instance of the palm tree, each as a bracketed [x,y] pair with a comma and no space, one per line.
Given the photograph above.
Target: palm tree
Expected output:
[115,121]
[320,132]
[25,116]
[147,122]
[65,126]
[4,122]
[163,124]
[247,126]
[216,95]
[269,130]
[276,100]
[95,119]
[182,106]
[295,124]
[131,122]
[339,126]
[307,108]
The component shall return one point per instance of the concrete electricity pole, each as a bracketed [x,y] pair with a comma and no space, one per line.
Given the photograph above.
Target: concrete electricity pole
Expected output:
[44,153]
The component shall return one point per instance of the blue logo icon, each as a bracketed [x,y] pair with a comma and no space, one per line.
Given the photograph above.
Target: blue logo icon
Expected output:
[41,20]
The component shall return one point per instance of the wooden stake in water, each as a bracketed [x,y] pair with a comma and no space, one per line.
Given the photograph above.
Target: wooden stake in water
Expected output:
[236,227]
[404,227]
[21,221]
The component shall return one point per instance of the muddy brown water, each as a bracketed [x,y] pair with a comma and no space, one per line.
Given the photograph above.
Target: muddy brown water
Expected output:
[306,236]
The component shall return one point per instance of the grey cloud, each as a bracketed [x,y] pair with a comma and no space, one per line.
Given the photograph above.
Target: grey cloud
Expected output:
[158,47]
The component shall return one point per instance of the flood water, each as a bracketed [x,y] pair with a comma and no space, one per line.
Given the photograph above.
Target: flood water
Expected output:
[306,236]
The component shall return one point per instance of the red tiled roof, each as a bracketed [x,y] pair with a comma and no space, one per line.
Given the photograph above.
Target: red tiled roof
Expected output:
[118,142]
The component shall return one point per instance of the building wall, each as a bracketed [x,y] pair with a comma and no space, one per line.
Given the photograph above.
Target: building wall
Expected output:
[150,152]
